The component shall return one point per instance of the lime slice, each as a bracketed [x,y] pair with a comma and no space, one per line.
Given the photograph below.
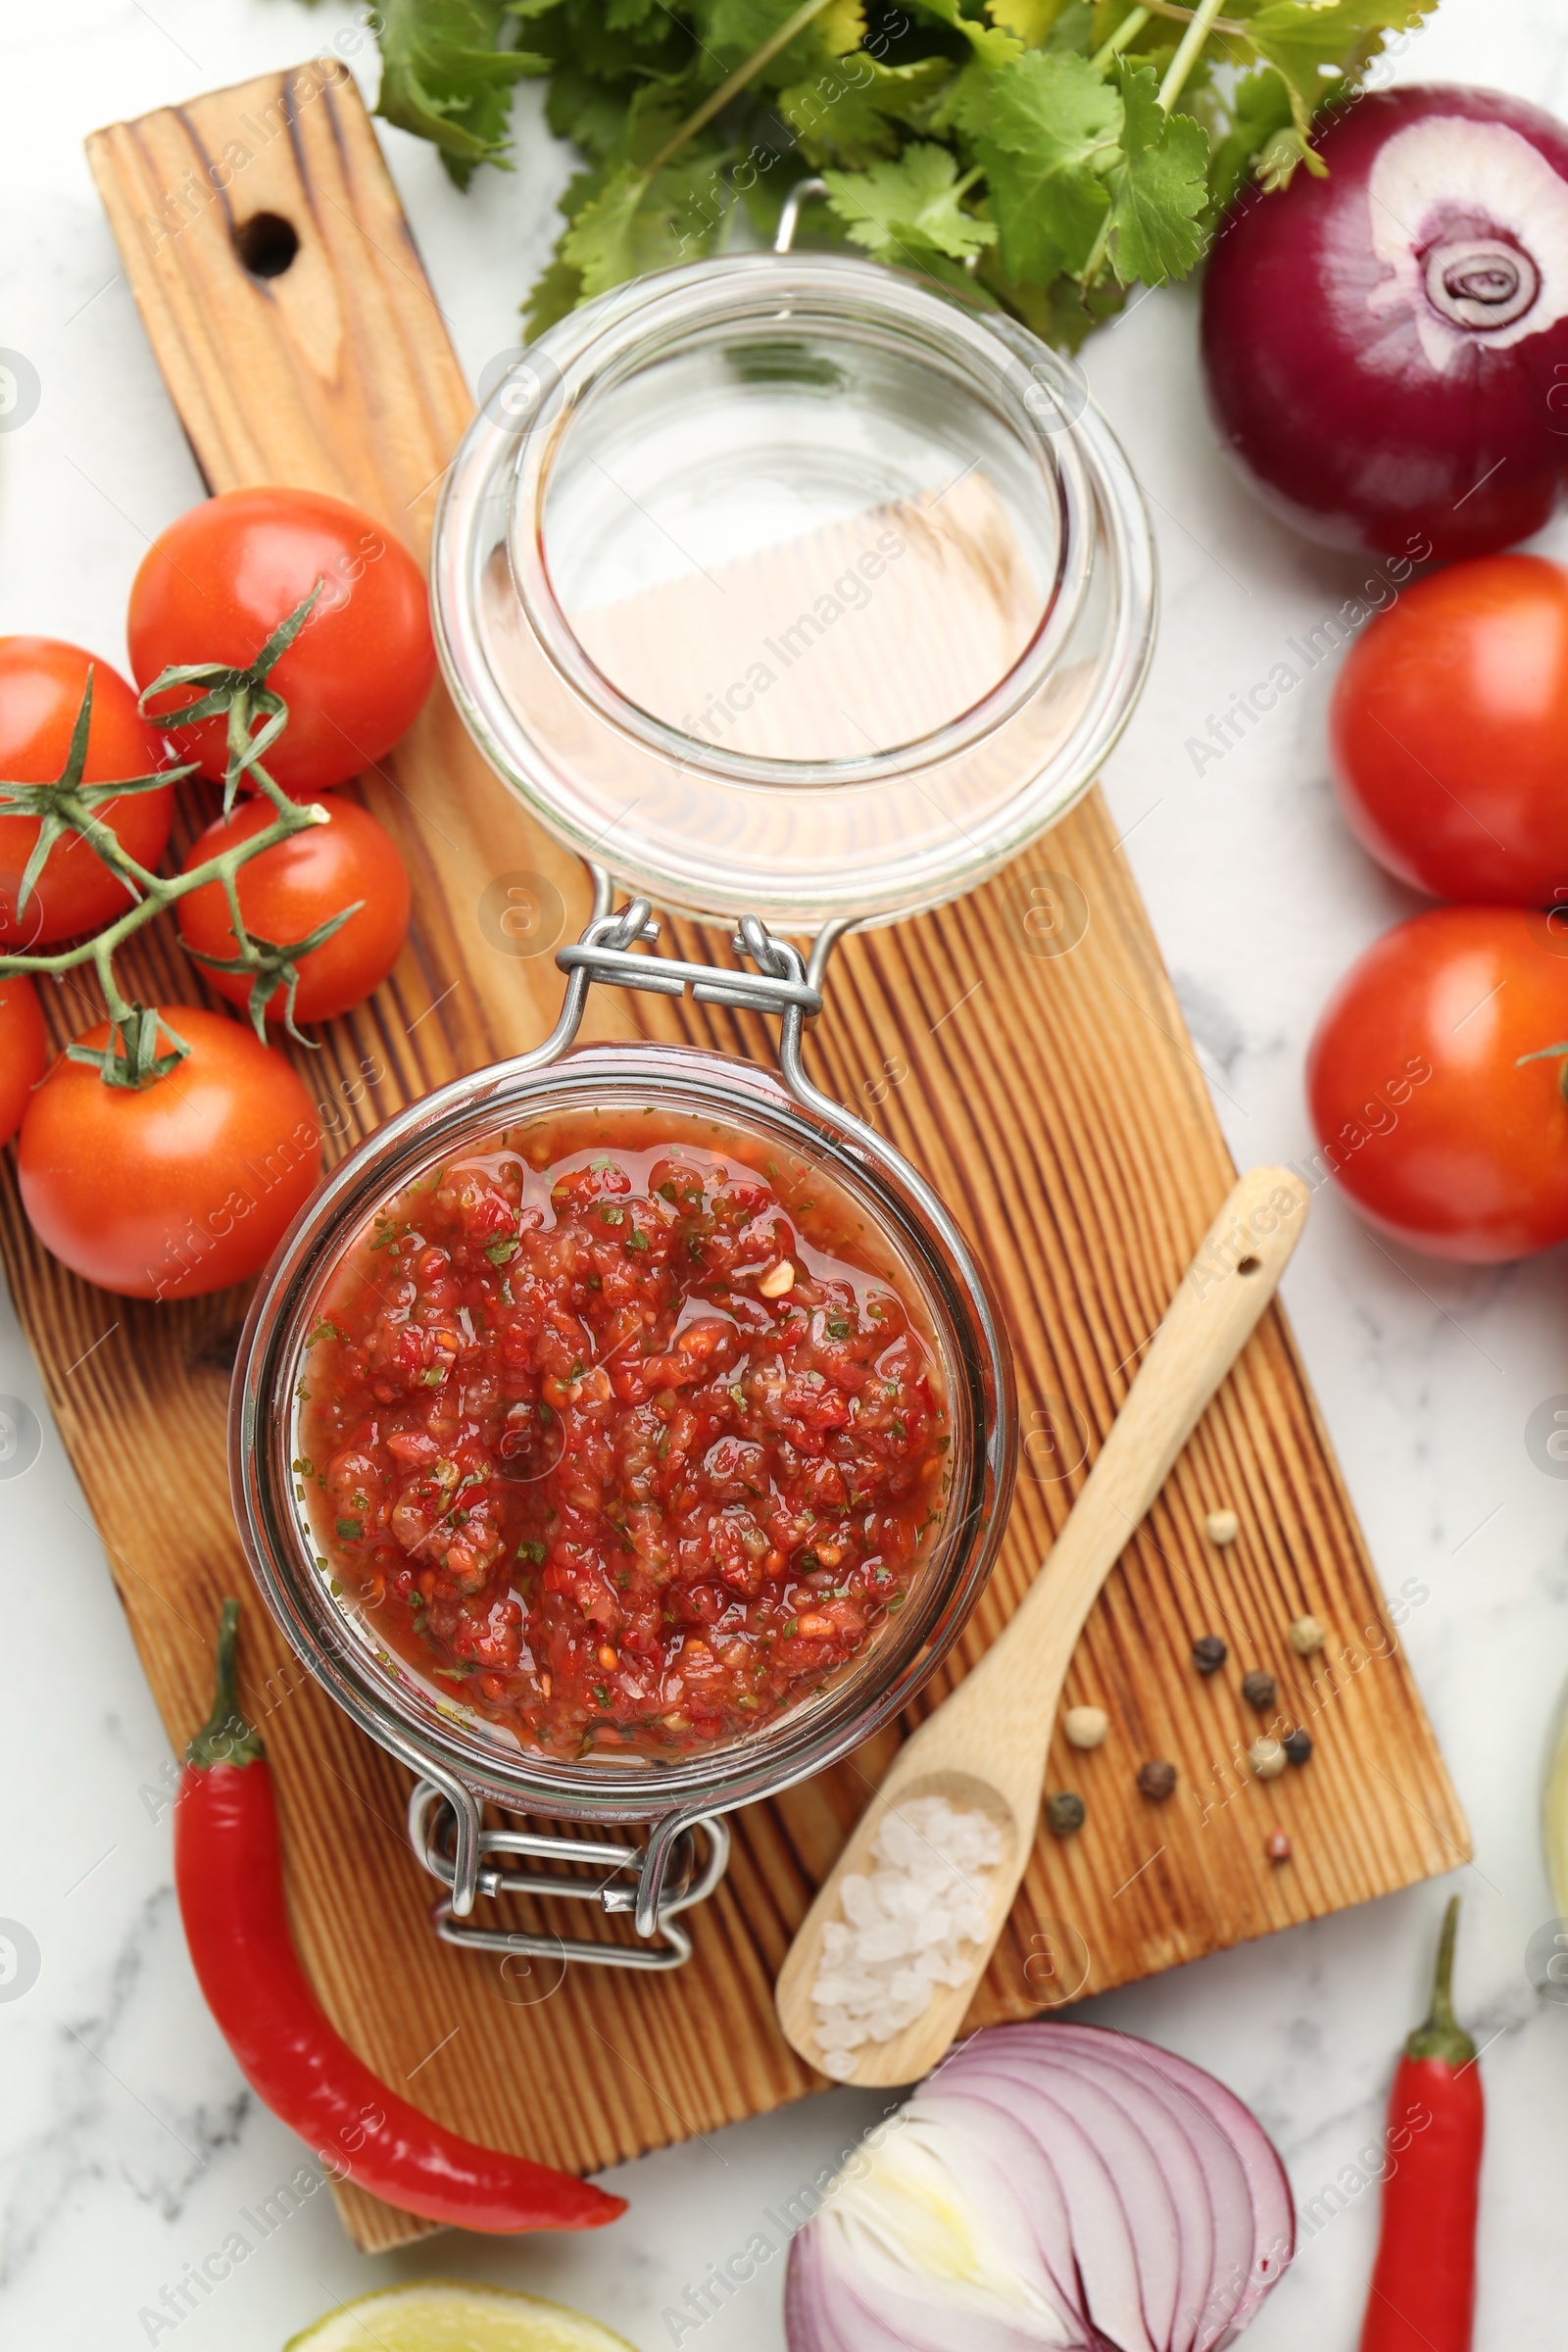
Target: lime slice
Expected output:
[436,2315]
[1557,1819]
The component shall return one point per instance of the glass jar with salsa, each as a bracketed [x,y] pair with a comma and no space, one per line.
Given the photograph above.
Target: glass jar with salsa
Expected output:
[624,1434]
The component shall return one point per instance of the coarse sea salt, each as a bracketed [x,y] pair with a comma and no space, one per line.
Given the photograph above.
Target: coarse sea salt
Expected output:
[905,1927]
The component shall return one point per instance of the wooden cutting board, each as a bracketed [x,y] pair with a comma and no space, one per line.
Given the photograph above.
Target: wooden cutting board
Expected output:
[1023,1046]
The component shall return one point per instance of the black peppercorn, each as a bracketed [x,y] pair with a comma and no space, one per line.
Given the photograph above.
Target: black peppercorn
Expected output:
[1298,1746]
[1064,1813]
[1261,1692]
[1157,1779]
[1209,1653]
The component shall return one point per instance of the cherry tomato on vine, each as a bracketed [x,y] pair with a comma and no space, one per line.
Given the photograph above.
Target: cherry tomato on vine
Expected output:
[23,1050]
[216,584]
[41,684]
[287,892]
[178,1187]
[1419,1099]
[1450,733]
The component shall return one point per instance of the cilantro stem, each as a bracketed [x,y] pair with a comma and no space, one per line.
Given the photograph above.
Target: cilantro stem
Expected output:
[736,82]
[1127,30]
[1230,27]
[1187,54]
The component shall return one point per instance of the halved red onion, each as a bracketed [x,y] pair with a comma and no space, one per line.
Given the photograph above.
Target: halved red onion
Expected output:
[1146,2111]
[1050,2185]
[1386,350]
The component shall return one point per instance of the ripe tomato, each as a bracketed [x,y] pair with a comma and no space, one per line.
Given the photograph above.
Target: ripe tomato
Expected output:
[23,1050]
[1418,1096]
[215,586]
[41,683]
[286,892]
[178,1188]
[1450,733]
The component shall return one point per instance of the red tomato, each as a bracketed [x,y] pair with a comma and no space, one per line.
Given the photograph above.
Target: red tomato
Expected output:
[286,892]
[1450,733]
[217,583]
[1418,1096]
[179,1186]
[41,684]
[23,1050]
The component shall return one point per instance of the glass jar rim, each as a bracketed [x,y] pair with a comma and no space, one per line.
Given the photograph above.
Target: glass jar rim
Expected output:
[806,1737]
[1105,564]
[854,296]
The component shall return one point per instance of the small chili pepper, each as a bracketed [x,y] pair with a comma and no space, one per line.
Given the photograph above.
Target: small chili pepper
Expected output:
[228,1874]
[1424,2280]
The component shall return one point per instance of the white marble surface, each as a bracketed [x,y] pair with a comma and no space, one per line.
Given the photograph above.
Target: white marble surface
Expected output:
[127,2142]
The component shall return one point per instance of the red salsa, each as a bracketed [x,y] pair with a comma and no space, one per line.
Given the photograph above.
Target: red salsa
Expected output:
[629,1438]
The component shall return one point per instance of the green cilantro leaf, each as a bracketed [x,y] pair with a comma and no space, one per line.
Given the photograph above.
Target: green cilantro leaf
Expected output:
[904,210]
[736,28]
[637,223]
[446,76]
[1262,142]
[1046,133]
[849,113]
[993,44]
[1311,41]
[1159,190]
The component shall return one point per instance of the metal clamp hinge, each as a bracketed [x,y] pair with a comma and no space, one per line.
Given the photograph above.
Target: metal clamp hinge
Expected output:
[606,1874]
[780,984]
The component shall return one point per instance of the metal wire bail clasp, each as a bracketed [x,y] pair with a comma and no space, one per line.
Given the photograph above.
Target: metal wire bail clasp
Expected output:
[652,1885]
[784,982]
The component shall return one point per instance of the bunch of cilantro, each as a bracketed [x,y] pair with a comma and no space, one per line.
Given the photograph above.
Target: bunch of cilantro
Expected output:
[1031,150]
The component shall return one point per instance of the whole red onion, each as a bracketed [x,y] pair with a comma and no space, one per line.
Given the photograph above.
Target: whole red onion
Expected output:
[1386,350]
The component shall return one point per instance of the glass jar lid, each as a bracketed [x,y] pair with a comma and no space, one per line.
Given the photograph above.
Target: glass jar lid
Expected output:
[793,586]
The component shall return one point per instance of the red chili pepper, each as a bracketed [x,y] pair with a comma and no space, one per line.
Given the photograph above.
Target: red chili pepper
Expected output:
[227,1870]
[1424,2281]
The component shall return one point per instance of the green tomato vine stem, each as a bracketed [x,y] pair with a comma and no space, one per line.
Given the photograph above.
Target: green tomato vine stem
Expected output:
[68,805]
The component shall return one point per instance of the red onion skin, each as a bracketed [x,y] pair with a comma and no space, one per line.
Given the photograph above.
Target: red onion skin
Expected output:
[1321,388]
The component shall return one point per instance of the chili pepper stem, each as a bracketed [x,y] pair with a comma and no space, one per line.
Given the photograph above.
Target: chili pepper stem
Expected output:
[1442,2036]
[225,1737]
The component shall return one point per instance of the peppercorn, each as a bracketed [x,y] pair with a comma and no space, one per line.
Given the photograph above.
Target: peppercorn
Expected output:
[1307,1636]
[1297,1745]
[1209,1653]
[1260,1690]
[1085,1726]
[1223,1527]
[1267,1758]
[1157,1779]
[1064,1813]
[1277,1847]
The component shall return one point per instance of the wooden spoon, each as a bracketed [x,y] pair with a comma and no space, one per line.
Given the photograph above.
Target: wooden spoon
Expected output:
[985,1745]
